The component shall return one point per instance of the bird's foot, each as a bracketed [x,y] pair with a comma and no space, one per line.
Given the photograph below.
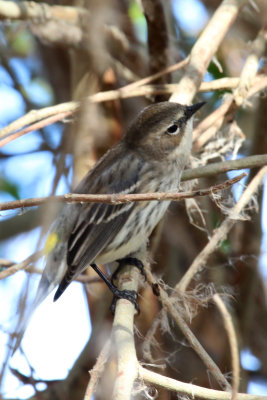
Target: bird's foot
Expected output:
[130,295]
[128,261]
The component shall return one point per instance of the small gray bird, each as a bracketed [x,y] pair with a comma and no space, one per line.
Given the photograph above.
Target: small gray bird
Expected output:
[149,158]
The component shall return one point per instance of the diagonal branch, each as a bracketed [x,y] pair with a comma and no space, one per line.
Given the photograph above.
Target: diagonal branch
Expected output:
[230,330]
[205,48]
[167,303]
[191,390]
[210,125]
[221,232]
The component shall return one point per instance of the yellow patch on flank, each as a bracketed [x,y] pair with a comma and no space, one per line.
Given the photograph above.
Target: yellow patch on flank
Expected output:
[51,242]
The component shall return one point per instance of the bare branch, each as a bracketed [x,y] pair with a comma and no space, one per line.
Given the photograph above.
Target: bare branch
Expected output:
[167,303]
[72,106]
[37,115]
[221,232]
[61,111]
[230,330]
[157,35]
[11,268]
[42,11]
[20,266]
[191,390]
[127,370]
[250,68]
[209,126]
[97,370]
[225,166]
[38,125]
[203,256]
[118,198]
[205,48]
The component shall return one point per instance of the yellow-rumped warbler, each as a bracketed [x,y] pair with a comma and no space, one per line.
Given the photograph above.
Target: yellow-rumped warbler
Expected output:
[149,158]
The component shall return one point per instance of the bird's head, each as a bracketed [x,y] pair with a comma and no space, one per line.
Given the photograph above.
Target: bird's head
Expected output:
[163,130]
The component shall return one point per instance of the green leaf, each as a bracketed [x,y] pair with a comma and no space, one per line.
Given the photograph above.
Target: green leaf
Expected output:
[23,43]
[9,187]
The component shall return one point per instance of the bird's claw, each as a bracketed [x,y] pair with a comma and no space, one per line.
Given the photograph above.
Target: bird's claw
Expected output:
[128,261]
[130,295]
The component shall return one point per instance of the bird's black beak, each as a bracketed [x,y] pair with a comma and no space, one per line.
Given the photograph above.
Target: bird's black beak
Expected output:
[191,110]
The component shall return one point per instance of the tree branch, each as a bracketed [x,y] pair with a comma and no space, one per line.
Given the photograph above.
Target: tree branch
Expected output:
[224,166]
[205,48]
[40,11]
[72,106]
[191,390]
[97,370]
[210,125]
[230,330]
[221,232]
[123,333]
[168,305]
[118,198]
[157,36]
[60,111]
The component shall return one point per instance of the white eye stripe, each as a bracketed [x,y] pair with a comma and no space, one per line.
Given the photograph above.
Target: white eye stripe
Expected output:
[173,129]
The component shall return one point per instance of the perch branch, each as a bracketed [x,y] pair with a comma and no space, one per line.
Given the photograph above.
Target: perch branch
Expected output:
[123,334]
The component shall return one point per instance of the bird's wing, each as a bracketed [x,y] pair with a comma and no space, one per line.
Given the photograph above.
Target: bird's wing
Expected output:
[98,223]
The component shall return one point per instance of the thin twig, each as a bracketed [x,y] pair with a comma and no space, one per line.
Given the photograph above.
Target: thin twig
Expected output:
[230,330]
[221,232]
[72,106]
[167,303]
[216,239]
[37,115]
[225,166]
[38,125]
[20,266]
[210,120]
[60,111]
[250,68]
[26,266]
[118,198]
[189,389]
[209,126]
[96,371]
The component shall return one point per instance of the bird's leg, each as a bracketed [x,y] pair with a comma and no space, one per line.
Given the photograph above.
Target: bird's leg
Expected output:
[128,261]
[130,295]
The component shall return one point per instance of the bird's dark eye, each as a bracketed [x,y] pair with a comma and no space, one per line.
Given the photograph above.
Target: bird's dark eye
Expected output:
[173,129]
